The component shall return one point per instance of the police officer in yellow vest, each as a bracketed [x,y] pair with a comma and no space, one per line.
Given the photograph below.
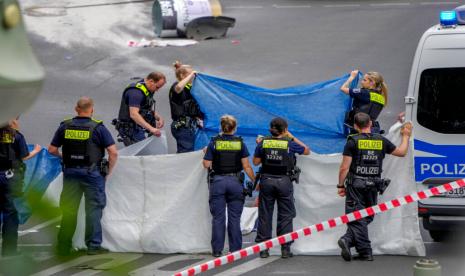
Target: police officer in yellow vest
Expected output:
[360,180]
[276,153]
[370,98]
[227,156]
[137,113]
[13,150]
[83,141]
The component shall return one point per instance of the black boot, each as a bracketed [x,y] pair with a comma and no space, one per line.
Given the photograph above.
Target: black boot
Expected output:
[265,253]
[345,250]
[286,252]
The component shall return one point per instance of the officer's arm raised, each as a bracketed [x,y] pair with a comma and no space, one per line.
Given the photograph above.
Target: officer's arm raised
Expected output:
[112,157]
[345,87]
[402,149]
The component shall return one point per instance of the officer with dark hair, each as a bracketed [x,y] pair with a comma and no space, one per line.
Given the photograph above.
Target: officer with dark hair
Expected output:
[13,150]
[137,113]
[83,141]
[276,153]
[360,180]
[227,155]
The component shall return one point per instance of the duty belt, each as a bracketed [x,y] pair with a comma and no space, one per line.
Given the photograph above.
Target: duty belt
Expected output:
[229,174]
[185,121]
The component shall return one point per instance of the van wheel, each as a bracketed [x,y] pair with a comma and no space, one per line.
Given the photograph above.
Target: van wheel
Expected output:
[438,236]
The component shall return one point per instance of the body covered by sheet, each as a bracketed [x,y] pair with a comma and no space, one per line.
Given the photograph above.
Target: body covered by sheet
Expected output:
[160,204]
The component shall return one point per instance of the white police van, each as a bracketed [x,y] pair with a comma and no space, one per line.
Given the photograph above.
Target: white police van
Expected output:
[435,103]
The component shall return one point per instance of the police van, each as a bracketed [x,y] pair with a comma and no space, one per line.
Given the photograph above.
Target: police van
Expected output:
[435,103]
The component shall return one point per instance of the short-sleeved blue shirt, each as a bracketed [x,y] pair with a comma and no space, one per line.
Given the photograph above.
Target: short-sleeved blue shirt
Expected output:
[101,136]
[211,151]
[293,149]
[20,146]
[361,96]
[135,97]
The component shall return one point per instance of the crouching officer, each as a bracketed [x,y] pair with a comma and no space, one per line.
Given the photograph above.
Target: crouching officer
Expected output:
[137,113]
[227,156]
[277,156]
[83,141]
[13,150]
[360,180]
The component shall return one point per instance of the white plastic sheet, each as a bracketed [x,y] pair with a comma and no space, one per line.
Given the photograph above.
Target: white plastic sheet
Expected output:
[159,204]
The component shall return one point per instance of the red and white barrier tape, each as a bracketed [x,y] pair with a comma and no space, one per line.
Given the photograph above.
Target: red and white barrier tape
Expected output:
[357,215]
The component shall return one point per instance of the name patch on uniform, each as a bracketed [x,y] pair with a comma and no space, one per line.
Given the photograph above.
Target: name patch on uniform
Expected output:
[74,134]
[7,138]
[228,145]
[275,144]
[377,98]
[370,144]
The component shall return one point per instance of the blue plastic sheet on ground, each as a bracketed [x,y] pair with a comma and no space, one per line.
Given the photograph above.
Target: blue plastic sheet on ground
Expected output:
[315,112]
[41,171]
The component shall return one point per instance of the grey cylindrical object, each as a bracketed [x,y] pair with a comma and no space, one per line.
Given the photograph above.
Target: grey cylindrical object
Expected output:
[426,267]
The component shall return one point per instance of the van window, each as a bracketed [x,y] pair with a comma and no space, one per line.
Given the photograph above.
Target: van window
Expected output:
[441,100]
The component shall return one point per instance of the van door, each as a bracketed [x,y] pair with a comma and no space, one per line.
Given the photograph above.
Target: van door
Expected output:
[438,113]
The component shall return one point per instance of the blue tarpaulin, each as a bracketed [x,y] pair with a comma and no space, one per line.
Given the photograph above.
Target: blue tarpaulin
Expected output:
[41,171]
[315,112]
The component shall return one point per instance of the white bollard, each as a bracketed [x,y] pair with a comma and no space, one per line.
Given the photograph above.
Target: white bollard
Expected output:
[426,267]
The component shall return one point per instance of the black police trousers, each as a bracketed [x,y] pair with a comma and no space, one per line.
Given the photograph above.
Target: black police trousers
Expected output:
[358,198]
[275,188]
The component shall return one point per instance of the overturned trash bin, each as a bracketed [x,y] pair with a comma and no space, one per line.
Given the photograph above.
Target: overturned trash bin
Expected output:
[194,19]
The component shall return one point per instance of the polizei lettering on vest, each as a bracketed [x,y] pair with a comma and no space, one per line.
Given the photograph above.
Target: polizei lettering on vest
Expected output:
[443,169]
[367,170]
[370,144]
[77,134]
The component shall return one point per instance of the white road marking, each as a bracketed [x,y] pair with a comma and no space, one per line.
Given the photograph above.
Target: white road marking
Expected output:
[389,4]
[116,259]
[291,6]
[36,228]
[342,6]
[248,266]
[154,268]
[439,3]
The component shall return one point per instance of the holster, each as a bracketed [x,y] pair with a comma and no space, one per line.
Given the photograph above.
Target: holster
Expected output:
[104,167]
[294,175]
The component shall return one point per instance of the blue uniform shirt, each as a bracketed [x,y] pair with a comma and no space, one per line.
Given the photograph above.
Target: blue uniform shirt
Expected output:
[211,148]
[135,97]
[20,146]
[101,136]
[361,96]
[293,149]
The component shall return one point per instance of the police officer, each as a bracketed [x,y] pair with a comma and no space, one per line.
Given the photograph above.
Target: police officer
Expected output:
[83,141]
[371,98]
[360,180]
[137,113]
[227,156]
[19,165]
[276,153]
[185,111]
[13,150]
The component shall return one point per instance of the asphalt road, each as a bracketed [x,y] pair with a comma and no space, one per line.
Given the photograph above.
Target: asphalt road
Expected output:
[274,44]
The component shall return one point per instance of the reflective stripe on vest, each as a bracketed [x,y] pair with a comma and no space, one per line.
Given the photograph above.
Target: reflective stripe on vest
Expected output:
[275,144]
[228,145]
[377,98]
[370,144]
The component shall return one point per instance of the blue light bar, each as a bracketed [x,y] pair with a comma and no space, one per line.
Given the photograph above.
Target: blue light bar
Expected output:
[448,18]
